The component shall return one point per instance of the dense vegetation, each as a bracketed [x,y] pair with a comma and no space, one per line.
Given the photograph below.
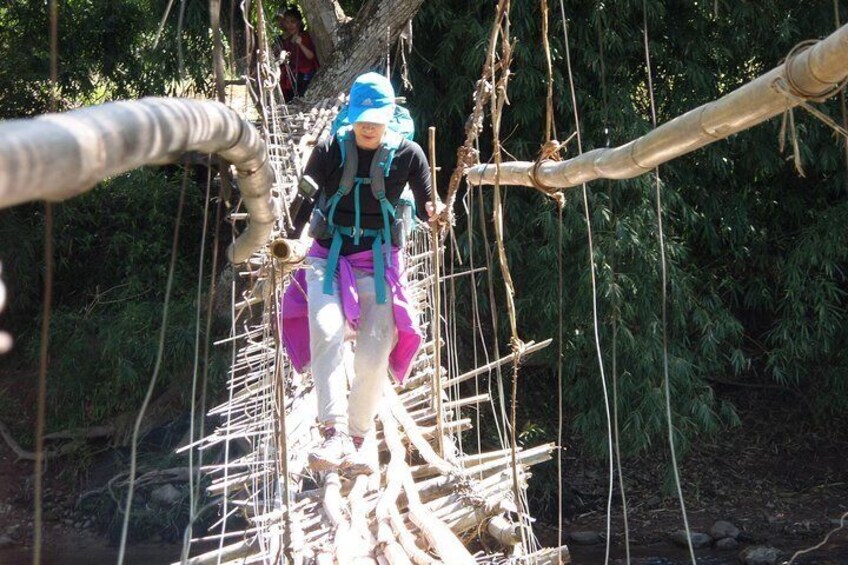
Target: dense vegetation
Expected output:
[756,253]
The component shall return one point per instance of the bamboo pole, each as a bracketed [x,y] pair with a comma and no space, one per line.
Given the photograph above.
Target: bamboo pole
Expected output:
[443,541]
[530,347]
[809,74]
[57,156]
[437,303]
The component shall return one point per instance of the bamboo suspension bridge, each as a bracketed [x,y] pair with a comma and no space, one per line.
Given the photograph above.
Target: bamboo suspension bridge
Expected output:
[435,499]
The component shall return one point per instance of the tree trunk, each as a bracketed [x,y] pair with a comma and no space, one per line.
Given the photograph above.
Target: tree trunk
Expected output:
[325,18]
[346,47]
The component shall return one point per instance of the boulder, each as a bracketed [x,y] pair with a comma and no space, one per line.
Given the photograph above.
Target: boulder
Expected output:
[727,544]
[166,495]
[698,539]
[759,555]
[585,538]
[723,529]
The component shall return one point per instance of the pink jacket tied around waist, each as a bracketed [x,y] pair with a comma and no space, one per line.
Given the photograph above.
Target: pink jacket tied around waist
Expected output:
[295,310]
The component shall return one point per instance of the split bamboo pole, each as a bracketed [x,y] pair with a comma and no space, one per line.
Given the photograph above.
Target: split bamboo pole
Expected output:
[807,75]
[435,244]
[57,156]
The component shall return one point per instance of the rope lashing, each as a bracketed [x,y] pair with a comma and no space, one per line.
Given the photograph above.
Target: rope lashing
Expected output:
[785,88]
[551,151]
[466,157]
[518,347]
[781,87]
[792,91]
[793,85]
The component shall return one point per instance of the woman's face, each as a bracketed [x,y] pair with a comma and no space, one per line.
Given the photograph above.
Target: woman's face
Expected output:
[290,25]
[368,135]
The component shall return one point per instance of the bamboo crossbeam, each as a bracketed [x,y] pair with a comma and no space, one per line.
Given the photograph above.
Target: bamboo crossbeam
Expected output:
[431,488]
[426,413]
[531,347]
[550,556]
[56,156]
[490,491]
[238,549]
[809,74]
[465,461]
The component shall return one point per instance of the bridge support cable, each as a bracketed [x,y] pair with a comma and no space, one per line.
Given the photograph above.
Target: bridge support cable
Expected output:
[812,74]
[57,156]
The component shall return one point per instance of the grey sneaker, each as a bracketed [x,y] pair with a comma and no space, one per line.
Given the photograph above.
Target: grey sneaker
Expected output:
[331,453]
[363,458]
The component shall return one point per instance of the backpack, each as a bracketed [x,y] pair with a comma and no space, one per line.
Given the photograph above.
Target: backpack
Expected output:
[397,222]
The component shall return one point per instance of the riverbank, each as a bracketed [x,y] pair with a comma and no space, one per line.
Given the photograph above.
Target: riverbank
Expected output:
[781,484]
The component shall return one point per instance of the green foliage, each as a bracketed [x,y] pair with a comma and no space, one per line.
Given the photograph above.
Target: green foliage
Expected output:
[107,51]
[755,254]
[112,249]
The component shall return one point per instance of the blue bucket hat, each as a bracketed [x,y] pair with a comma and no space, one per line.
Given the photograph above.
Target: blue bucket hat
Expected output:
[372,99]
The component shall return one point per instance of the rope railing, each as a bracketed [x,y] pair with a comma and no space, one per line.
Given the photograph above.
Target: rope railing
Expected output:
[56,156]
[816,72]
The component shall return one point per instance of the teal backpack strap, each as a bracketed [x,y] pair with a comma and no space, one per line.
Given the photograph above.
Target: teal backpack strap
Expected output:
[379,270]
[357,224]
[381,166]
[342,135]
[331,209]
[332,262]
[387,211]
[350,161]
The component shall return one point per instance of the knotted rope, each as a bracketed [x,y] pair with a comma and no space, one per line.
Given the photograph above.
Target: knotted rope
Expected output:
[551,150]
[792,91]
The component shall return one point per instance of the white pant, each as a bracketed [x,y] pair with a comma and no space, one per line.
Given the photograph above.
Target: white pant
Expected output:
[374,341]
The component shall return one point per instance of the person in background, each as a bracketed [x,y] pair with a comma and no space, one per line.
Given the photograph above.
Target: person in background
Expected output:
[354,284]
[302,61]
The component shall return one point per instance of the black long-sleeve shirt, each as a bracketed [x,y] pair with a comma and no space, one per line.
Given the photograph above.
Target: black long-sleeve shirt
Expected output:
[325,167]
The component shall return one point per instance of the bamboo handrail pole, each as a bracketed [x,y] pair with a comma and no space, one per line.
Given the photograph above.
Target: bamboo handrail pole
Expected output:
[281,435]
[56,156]
[812,73]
